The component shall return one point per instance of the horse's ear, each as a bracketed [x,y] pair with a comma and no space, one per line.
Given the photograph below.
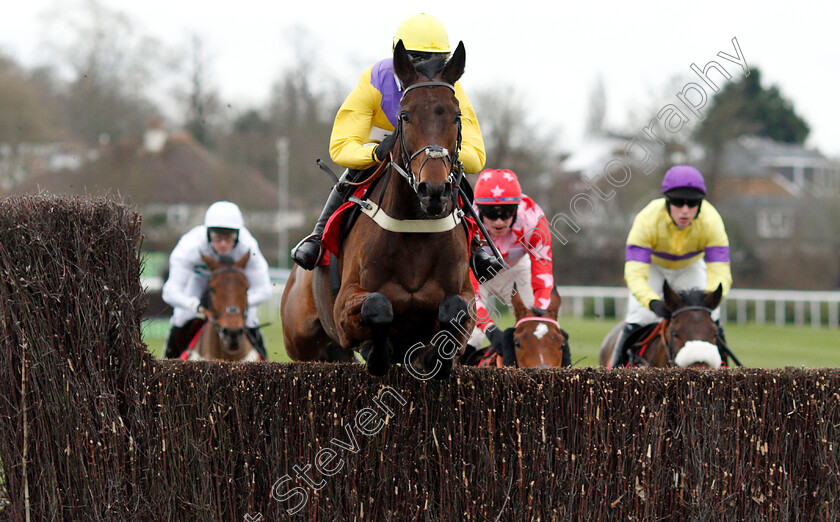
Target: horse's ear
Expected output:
[519,308]
[403,67]
[712,300]
[211,263]
[243,261]
[672,299]
[554,304]
[454,68]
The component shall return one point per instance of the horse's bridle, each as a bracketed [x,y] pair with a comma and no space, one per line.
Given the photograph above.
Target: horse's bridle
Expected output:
[669,342]
[667,336]
[456,170]
[224,332]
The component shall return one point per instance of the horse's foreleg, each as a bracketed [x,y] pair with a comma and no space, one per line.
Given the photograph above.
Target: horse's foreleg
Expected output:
[367,317]
[455,323]
[378,314]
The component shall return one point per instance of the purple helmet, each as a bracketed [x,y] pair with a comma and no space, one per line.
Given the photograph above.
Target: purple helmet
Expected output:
[684,181]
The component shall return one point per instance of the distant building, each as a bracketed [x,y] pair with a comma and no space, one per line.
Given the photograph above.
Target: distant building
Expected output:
[30,160]
[780,205]
[172,180]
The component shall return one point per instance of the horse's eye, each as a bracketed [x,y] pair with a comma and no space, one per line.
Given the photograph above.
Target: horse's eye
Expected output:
[517,344]
[404,117]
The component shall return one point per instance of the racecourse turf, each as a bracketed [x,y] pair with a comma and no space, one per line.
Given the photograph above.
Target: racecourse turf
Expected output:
[757,346]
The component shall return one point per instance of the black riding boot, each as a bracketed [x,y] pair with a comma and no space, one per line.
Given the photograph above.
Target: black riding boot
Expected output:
[309,250]
[619,355]
[172,351]
[179,338]
[256,338]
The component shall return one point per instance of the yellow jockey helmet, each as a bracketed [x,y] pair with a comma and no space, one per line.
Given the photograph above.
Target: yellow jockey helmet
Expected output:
[423,33]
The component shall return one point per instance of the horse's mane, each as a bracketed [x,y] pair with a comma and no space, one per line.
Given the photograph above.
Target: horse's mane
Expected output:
[431,67]
[226,259]
[693,297]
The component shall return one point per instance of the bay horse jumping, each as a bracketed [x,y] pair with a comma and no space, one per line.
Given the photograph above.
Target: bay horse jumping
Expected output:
[223,337]
[689,339]
[405,287]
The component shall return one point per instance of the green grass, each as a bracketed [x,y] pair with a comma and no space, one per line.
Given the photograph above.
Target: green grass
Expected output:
[756,346]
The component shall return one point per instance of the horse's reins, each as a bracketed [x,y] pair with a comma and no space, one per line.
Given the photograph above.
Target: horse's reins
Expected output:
[668,327]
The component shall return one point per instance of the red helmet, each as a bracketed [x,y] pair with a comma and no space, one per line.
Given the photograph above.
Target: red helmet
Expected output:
[497,187]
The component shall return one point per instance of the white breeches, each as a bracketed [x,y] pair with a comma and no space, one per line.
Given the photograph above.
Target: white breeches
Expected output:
[692,277]
[501,288]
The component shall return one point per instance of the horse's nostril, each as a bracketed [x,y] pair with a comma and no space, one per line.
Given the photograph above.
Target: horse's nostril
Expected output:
[423,189]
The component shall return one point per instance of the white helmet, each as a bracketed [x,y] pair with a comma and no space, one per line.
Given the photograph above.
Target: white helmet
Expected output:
[224,214]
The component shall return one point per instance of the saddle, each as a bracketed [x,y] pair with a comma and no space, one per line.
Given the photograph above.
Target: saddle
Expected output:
[638,340]
[481,357]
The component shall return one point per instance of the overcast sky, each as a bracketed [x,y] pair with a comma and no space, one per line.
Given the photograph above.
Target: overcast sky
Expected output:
[551,53]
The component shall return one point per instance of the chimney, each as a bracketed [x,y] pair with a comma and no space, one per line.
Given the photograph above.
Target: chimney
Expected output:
[155,137]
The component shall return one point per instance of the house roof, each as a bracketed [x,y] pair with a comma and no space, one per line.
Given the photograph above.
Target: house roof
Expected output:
[770,187]
[751,156]
[593,154]
[182,171]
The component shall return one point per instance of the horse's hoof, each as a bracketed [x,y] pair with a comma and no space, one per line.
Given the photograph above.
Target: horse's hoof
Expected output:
[377,310]
[364,351]
[429,364]
[378,359]
[378,368]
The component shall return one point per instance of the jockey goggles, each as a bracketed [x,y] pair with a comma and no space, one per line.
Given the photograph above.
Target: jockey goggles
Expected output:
[494,212]
[681,202]
[223,234]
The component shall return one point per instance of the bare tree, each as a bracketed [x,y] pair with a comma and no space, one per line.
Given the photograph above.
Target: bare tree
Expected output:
[597,109]
[202,100]
[109,67]
[513,142]
[27,106]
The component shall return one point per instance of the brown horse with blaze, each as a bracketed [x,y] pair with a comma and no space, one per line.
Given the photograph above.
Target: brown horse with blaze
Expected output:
[688,338]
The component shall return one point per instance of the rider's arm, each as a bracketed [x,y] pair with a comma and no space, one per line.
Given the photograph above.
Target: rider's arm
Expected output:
[716,251]
[350,141]
[637,261]
[482,315]
[259,281]
[539,249]
[472,145]
[181,269]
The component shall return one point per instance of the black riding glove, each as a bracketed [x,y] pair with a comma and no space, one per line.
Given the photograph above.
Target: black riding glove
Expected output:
[384,147]
[658,307]
[496,338]
[502,343]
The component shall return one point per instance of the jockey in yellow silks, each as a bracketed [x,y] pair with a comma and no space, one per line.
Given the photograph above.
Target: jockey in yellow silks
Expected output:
[679,238]
[363,130]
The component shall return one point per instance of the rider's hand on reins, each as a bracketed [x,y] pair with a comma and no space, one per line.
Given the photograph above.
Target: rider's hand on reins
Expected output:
[659,308]
[384,147]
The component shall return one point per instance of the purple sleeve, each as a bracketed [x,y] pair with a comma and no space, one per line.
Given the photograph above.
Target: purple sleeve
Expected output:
[637,253]
[719,254]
